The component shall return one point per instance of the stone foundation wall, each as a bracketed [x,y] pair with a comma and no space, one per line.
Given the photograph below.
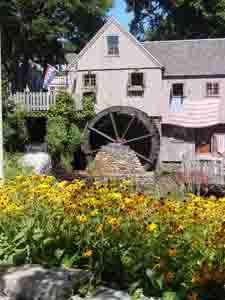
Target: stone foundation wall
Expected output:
[117,160]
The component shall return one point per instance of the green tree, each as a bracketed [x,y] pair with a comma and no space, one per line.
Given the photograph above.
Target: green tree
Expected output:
[33,27]
[64,127]
[177,19]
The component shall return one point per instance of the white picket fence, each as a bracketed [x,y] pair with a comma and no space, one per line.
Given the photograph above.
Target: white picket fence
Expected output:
[35,101]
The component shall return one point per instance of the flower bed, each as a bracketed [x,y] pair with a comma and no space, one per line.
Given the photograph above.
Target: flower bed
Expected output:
[166,247]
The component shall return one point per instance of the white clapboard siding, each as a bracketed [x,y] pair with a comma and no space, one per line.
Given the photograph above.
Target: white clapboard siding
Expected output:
[35,101]
[196,113]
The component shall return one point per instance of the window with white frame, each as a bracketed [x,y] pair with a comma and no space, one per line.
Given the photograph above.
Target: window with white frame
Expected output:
[176,99]
[89,80]
[136,84]
[212,89]
[113,44]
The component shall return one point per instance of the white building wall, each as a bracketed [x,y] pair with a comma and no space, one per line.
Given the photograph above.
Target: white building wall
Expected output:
[112,90]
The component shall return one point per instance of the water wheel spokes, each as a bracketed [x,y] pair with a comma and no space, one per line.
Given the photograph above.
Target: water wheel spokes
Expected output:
[128,127]
[137,139]
[114,126]
[143,157]
[102,134]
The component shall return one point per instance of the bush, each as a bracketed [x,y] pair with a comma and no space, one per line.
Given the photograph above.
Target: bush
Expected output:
[166,248]
[56,134]
[15,134]
[63,135]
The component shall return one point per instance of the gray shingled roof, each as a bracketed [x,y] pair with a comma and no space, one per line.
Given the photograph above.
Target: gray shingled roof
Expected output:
[190,57]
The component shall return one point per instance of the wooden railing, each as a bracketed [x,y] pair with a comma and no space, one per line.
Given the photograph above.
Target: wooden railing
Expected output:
[202,171]
[35,101]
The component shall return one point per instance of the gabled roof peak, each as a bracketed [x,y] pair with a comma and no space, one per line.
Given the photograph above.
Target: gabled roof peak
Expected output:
[113,20]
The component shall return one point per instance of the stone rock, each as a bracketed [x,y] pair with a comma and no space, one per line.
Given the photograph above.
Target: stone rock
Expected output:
[104,293]
[40,162]
[117,160]
[33,282]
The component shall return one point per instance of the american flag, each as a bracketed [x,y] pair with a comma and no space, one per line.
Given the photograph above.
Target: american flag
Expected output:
[50,74]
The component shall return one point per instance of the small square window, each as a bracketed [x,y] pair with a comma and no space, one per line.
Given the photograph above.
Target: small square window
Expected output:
[113,44]
[212,89]
[89,80]
[137,79]
[178,90]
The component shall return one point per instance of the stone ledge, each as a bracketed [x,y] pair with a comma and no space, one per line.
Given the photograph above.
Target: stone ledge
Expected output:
[33,282]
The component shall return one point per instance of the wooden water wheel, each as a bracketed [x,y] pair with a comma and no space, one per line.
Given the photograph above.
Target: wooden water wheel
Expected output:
[127,126]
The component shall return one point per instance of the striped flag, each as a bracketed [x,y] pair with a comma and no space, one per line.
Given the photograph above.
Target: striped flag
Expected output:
[50,74]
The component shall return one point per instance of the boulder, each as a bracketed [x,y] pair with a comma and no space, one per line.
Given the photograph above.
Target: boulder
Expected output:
[33,282]
[40,162]
[104,293]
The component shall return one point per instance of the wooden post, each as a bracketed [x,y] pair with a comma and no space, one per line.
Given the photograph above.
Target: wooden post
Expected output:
[1,121]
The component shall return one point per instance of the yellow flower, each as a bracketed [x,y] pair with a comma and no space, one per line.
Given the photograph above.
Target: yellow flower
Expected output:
[87,253]
[63,184]
[94,213]
[116,196]
[172,252]
[99,228]
[82,219]
[151,227]
[112,221]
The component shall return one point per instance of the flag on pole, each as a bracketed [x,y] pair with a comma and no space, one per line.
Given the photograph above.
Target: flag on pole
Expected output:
[50,74]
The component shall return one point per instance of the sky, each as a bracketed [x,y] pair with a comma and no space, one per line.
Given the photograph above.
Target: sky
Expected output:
[119,12]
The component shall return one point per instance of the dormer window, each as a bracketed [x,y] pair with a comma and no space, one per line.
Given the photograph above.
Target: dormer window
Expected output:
[89,80]
[113,45]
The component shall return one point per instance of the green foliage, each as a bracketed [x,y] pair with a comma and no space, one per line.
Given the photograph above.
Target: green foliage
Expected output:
[56,134]
[12,166]
[74,137]
[32,27]
[15,133]
[163,19]
[65,124]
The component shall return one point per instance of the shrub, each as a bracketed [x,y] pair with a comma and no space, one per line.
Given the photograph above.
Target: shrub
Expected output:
[164,247]
[15,133]
[56,134]
[63,136]
[64,127]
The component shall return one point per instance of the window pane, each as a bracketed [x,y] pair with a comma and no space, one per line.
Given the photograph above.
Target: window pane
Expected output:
[212,89]
[89,80]
[178,90]
[113,44]
[137,79]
